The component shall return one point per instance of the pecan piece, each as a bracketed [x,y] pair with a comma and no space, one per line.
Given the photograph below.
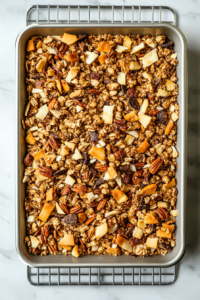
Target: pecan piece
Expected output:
[153,112]
[79,103]
[28,159]
[90,232]
[100,167]
[156,165]
[90,220]
[78,188]
[120,124]
[162,213]
[71,219]
[39,84]
[62,50]
[64,208]
[82,245]
[92,204]
[53,143]
[120,154]
[46,171]
[66,190]
[94,92]
[58,73]
[76,209]
[101,204]
[82,38]
[81,47]
[97,192]
[156,82]
[139,165]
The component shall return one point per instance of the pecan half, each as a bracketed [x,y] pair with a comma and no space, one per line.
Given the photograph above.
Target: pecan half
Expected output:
[162,213]
[51,248]
[120,154]
[45,230]
[76,209]
[66,190]
[62,50]
[64,208]
[94,92]
[100,167]
[79,103]
[78,188]
[156,165]
[46,171]
[28,159]
[101,204]
[53,143]
[120,124]
[97,192]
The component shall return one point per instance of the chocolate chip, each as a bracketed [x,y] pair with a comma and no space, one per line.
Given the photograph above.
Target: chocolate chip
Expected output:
[98,182]
[93,136]
[162,117]
[70,219]
[60,172]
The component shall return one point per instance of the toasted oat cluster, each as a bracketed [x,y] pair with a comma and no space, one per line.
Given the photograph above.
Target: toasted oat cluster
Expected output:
[101,131]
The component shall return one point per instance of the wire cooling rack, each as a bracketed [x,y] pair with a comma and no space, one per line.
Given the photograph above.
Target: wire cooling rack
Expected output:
[59,14]
[101,276]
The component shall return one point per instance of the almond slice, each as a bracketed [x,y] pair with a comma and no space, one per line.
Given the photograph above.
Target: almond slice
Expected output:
[144,106]
[121,78]
[30,139]
[127,42]
[46,211]
[90,57]
[143,147]
[152,242]
[41,64]
[112,213]
[134,66]
[30,46]
[124,243]
[77,155]
[42,112]
[101,230]
[150,58]
[107,115]
[59,86]
[71,75]
[163,93]
[119,196]
[67,240]
[149,189]
[69,39]
[27,108]
[137,48]
[39,154]
[120,49]
[34,242]
[144,119]
[75,251]
[98,153]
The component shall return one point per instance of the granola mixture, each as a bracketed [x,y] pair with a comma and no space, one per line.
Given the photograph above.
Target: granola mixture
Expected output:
[101,132]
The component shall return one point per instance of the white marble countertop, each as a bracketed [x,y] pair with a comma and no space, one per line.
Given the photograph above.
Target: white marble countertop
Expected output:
[13,280]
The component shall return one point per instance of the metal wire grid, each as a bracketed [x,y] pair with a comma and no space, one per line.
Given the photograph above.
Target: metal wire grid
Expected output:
[99,14]
[101,276]
[42,14]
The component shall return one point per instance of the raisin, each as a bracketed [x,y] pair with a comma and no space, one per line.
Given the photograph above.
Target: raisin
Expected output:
[126,178]
[94,75]
[70,219]
[162,117]
[59,172]
[133,102]
[124,168]
[98,182]
[93,136]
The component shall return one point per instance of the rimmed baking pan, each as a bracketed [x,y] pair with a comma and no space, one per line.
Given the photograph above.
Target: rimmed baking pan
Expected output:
[94,29]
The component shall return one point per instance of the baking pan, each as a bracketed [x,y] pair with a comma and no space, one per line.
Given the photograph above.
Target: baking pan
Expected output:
[93,260]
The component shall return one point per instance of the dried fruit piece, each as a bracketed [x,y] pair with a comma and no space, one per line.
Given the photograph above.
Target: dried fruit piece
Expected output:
[72,57]
[149,189]
[30,139]
[131,117]
[82,217]
[144,119]
[101,230]
[101,204]
[107,115]
[98,153]
[69,39]
[46,171]
[53,143]
[46,211]
[143,147]
[98,182]
[90,57]
[168,186]
[156,165]
[151,218]
[152,242]
[163,234]
[119,196]
[28,159]
[104,46]
[102,58]
[169,127]
[124,243]
[127,42]
[71,219]
[93,136]
[133,102]
[30,46]
[52,103]
[150,58]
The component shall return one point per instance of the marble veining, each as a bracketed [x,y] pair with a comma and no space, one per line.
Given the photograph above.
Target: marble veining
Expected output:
[13,281]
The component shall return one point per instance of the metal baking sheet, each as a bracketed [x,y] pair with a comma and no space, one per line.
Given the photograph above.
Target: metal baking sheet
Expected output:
[93,260]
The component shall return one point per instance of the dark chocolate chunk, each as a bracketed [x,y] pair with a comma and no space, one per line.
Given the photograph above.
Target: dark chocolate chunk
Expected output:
[93,136]
[71,219]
